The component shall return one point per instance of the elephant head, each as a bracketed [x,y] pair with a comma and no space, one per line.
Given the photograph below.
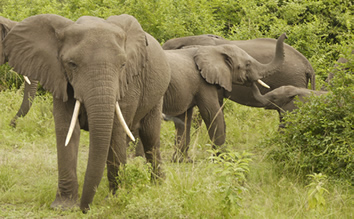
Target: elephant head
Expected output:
[92,61]
[283,98]
[5,26]
[228,64]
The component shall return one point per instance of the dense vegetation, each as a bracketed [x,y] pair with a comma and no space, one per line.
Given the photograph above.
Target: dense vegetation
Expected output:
[320,134]
[303,172]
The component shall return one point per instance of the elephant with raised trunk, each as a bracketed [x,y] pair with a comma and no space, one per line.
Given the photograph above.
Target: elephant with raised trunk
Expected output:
[295,70]
[109,73]
[283,98]
[198,77]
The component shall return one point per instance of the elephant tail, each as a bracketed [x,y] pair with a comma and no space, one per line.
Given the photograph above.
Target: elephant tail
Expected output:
[311,77]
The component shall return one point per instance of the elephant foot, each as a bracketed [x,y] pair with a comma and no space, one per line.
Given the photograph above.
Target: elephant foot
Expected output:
[158,178]
[13,123]
[181,158]
[64,204]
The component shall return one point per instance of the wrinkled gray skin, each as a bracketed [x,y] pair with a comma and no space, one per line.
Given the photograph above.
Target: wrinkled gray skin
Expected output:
[296,70]
[283,98]
[198,74]
[30,89]
[97,62]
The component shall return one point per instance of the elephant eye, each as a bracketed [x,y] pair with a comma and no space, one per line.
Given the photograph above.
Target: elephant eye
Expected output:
[248,64]
[72,65]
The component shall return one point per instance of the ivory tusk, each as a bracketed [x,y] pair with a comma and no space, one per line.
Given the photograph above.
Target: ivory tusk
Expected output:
[122,122]
[27,79]
[73,122]
[262,83]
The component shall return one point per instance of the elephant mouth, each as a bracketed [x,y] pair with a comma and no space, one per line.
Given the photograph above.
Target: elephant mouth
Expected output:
[249,83]
[259,81]
[76,114]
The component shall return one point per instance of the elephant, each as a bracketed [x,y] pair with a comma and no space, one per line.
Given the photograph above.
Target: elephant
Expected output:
[110,74]
[296,70]
[30,86]
[198,74]
[5,26]
[283,98]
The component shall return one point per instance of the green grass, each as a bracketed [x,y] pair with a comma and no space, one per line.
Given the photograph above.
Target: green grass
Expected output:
[28,173]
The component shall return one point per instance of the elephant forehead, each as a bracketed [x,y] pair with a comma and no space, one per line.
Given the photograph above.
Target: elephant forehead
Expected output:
[234,51]
[96,32]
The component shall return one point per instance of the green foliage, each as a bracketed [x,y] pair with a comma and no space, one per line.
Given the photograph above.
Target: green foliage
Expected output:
[232,169]
[9,79]
[28,173]
[315,198]
[318,29]
[135,175]
[319,136]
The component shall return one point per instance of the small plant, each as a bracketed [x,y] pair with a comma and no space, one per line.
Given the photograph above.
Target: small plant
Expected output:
[133,178]
[315,197]
[135,175]
[231,171]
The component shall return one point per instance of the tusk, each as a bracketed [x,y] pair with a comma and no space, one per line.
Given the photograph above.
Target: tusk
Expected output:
[73,122]
[27,80]
[262,83]
[122,122]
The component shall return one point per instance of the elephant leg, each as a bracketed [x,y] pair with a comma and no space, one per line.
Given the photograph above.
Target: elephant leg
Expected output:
[182,139]
[281,121]
[117,155]
[213,117]
[28,96]
[67,192]
[139,148]
[149,132]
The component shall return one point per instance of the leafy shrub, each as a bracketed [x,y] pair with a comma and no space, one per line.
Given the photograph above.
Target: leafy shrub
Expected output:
[320,134]
[318,29]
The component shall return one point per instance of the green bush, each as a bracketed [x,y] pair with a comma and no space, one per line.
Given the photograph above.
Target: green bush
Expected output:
[318,29]
[320,134]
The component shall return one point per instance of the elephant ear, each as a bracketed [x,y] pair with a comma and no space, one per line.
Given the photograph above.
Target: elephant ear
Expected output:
[135,48]
[32,48]
[214,65]
[5,26]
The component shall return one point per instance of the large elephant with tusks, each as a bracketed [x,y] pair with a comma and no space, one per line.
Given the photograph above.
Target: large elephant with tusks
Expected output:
[109,73]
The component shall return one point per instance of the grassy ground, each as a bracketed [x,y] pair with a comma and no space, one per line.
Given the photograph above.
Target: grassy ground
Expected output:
[28,174]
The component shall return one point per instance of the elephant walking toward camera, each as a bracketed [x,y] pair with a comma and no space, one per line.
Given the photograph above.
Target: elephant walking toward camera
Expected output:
[110,74]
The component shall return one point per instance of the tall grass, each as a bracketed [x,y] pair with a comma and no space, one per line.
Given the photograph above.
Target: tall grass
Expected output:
[28,173]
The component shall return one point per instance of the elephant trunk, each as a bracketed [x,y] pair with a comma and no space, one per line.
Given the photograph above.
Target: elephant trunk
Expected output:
[100,106]
[28,96]
[265,70]
[258,96]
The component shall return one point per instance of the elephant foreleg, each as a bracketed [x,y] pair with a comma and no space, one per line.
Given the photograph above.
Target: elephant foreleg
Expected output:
[213,117]
[139,149]
[182,139]
[149,132]
[117,155]
[67,192]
